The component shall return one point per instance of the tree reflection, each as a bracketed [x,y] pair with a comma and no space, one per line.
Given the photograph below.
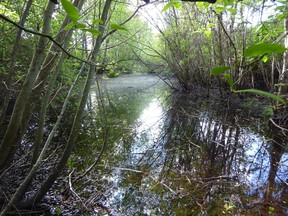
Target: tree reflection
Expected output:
[275,194]
[208,159]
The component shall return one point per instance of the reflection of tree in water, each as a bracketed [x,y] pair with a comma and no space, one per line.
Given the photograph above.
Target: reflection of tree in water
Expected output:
[276,190]
[204,162]
[199,158]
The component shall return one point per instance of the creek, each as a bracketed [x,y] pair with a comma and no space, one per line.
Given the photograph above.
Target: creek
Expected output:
[177,154]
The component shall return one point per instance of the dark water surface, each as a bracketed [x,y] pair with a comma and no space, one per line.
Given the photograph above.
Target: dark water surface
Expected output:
[176,154]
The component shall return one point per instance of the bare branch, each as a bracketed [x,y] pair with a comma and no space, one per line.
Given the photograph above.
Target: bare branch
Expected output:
[123,23]
[209,1]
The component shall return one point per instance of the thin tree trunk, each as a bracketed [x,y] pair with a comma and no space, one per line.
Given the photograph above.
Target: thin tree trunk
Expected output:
[25,184]
[283,80]
[47,67]
[44,104]
[47,184]
[51,83]
[14,126]
[13,61]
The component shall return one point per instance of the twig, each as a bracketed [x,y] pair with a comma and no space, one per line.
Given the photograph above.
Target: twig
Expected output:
[278,126]
[226,33]
[166,186]
[74,192]
[282,180]
[93,165]
[123,23]
[128,169]
[14,164]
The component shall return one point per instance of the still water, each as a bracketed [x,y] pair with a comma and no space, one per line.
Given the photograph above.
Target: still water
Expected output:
[159,153]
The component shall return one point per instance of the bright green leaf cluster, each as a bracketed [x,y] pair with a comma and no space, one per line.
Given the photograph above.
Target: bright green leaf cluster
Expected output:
[94,32]
[176,4]
[114,26]
[97,21]
[73,13]
[261,49]
[71,10]
[229,80]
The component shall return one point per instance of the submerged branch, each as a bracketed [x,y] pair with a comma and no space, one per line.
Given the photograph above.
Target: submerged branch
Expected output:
[73,191]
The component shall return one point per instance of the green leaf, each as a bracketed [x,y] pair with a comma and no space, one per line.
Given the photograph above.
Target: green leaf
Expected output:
[259,27]
[207,33]
[281,16]
[280,8]
[233,11]
[265,58]
[97,21]
[218,10]
[219,70]
[263,93]
[271,209]
[94,32]
[264,48]
[9,12]
[210,25]
[228,2]
[198,31]
[202,5]
[69,26]
[79,25]
[176,4]
[76,25]
[71,10]
[117,27]
[229,80]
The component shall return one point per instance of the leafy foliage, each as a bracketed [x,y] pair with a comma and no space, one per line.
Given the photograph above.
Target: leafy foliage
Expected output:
[176,4]
[114,26]
[261,49]
[219,70]
[262,93]
[71,10]
[94,32]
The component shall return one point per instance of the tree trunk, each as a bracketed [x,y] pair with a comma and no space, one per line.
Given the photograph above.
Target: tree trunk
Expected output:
[14,126]
[51,83]
[47,184]
[11,72]
[283,79]
[47,66]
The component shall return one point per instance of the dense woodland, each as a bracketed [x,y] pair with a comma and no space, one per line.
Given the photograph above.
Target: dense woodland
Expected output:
[52,53]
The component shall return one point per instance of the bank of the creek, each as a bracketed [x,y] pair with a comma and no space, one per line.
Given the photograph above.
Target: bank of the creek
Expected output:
[159,153]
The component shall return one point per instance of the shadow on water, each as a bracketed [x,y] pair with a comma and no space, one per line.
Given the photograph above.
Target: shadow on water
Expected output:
[179,155]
